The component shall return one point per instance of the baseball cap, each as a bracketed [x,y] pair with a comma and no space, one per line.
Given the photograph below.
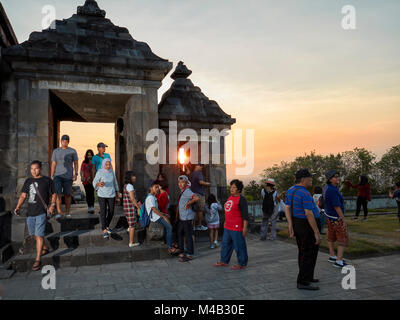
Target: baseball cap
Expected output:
[65,137]
[101,145]
[303,173]
[331,173]
[270,181]
[183,177]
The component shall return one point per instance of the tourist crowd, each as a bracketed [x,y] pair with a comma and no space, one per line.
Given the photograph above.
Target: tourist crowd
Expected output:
[306,214]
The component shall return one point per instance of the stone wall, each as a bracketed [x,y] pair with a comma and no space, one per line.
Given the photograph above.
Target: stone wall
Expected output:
[378,202]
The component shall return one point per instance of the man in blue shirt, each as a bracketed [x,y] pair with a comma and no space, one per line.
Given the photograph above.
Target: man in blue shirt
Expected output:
[97,160]
[303,215]
[337,227]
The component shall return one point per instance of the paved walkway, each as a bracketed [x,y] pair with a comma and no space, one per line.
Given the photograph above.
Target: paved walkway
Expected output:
[271,275]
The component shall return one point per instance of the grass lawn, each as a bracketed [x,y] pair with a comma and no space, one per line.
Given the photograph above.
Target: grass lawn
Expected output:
[376,236]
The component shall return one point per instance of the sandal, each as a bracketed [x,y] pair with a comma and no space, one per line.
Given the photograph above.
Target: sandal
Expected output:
[36,265]
[173,251]
[221,264]
[45,251]
[238,267]
[184,259]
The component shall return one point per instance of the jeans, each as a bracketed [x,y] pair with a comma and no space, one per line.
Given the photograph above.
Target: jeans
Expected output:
[308,250]
[361,201]
[89,190]
[185,230]
[168,231]
[234,240]
[106,211]
[264,225]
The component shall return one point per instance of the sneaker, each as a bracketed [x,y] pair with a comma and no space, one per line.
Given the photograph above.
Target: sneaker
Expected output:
[202,228]
[338,265]
[332,259]
[105,235]
[59,216]
[131,245]
[212,246]
[68,215]
[91,210]
[216,243]
[307,287]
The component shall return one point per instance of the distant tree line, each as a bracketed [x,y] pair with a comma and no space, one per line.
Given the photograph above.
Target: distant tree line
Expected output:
[382,174]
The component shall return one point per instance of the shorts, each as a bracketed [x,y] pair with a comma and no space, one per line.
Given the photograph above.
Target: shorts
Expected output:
[62,185]
[337,232]
[213,225]
[37,225]
[201,203]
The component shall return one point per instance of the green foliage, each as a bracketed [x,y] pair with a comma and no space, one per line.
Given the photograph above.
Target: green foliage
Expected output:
[350,164]
[252,191]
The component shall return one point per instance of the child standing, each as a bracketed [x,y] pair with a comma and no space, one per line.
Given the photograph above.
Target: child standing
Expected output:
[212,218]
[130,205]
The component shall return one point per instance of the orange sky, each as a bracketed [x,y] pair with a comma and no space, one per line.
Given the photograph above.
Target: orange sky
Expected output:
[286,69]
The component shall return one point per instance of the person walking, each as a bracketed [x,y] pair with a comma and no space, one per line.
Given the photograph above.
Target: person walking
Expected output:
[157,216]
[319,201]
[40,192]
[186,216]
[395,194]
[97,160]
[197,186]
[64,171]
[270,209]
[212,218]
[235,228]
[337,226]
[87,179]
[281,212]
[303,215]
[363,195]
[131,206]
[107,189]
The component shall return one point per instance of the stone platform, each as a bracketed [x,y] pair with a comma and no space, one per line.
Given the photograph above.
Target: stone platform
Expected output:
[78,241]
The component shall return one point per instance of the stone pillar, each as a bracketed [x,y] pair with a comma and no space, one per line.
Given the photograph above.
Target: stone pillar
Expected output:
[141,115]
[33,129]
[8,144]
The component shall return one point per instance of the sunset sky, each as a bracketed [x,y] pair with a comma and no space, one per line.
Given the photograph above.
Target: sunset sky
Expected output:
[286,69]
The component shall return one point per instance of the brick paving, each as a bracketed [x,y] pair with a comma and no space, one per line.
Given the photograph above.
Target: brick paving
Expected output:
[271,275]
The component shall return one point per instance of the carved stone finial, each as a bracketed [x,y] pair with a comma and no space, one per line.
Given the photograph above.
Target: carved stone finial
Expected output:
[91,8]
[181,71]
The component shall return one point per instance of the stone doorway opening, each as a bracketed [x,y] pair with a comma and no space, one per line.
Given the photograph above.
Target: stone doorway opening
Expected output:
[89,119]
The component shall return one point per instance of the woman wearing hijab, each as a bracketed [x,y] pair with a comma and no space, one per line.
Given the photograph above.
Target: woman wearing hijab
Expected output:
[107,189]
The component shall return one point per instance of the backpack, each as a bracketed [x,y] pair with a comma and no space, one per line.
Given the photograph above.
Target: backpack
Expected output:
[321,202]
[144,218]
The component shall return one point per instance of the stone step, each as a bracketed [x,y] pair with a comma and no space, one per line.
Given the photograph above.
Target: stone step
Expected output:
[85,238]
[92,256]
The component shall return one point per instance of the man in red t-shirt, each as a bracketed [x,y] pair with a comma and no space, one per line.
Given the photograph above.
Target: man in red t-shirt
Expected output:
[235,229]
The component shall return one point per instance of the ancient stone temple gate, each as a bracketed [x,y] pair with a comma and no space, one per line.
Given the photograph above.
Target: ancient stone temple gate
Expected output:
[87,69]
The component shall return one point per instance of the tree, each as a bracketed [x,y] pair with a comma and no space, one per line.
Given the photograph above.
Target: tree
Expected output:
[253,190]
[389,167]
